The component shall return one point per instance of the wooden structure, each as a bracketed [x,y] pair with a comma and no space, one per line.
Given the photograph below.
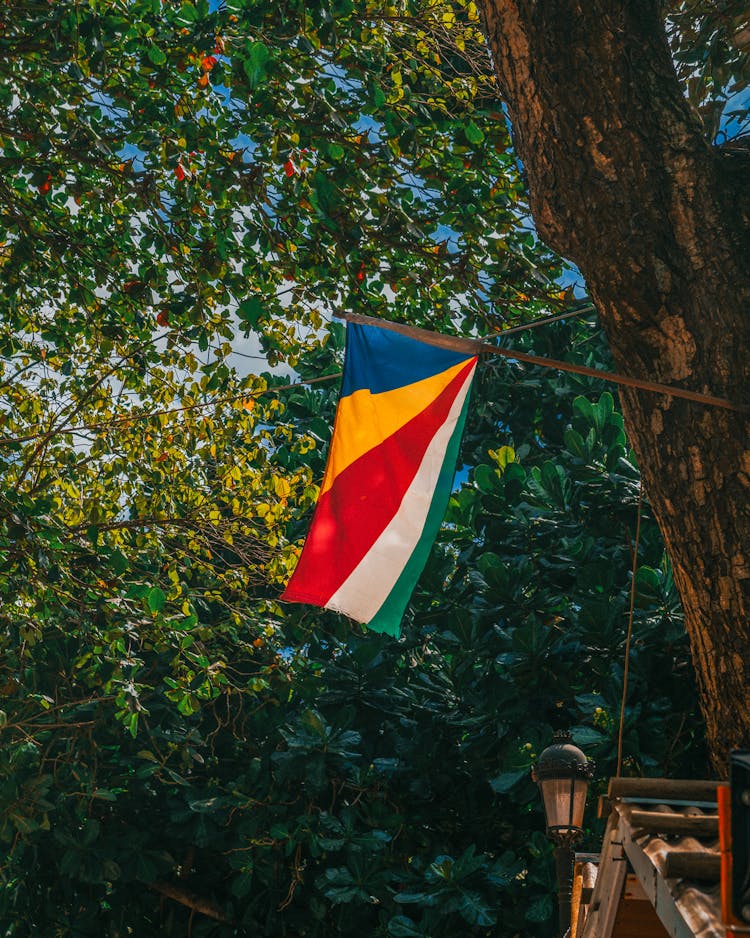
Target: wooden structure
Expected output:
[659,872]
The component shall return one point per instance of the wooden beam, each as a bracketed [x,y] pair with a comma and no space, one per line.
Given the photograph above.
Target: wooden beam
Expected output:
[665,788]
[705,867]
[663,822]
[655,886]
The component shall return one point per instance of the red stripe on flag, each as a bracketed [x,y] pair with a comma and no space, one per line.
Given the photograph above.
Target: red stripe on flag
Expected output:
[353,513]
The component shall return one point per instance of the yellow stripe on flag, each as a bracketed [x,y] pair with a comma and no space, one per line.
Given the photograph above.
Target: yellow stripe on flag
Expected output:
[364,420]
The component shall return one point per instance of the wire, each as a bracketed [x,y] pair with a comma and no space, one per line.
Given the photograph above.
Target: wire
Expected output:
[629,635]
[470,346]
[542,321]
[144,415]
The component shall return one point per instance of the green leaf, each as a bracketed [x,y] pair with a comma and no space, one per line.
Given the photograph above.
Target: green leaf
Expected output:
[587,736]
[402,927]
[119,562]
[486,479]
[604,408]
[575,443]
[503,456]
[475,911]
[250,310]
[155,599]
[111,870]
[187,14]
[504,782]
[156,55]
[585,408]
[255,63]
[473,133]
[648,583]
[540,909]
[378,96]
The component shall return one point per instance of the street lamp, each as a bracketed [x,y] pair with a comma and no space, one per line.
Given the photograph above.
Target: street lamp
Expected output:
[562,774]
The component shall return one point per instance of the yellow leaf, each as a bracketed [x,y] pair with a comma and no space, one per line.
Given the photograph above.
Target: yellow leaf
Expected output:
[282,487]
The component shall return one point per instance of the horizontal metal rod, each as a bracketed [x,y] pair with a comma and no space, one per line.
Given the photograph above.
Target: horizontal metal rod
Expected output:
[480,347]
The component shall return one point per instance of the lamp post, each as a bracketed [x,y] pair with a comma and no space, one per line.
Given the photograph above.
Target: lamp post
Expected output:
[562,773]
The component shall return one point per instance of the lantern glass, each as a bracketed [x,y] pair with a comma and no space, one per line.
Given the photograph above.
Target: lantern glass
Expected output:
[564,803]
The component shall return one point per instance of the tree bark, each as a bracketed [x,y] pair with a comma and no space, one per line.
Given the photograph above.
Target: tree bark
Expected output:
[624,184]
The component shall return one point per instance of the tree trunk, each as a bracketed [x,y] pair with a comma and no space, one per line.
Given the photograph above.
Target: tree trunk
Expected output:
[623,183]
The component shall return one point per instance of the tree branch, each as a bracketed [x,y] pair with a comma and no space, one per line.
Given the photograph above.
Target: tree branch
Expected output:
[191,901]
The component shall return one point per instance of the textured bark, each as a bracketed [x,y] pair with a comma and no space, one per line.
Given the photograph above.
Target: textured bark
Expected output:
[623,183]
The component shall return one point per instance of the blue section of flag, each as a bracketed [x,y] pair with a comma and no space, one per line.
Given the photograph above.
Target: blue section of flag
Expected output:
[381,360]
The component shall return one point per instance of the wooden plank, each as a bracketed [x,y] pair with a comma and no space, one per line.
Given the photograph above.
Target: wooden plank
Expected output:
[591,916]
[704,867]
[655,886]
[633,891]
[637,919]
[663,822]
[584,857]
[666,788]
[575,901]
[612,901]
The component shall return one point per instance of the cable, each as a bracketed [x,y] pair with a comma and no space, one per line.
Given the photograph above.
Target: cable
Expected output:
[542,321]
[629,635]
[90,427]
[469,346]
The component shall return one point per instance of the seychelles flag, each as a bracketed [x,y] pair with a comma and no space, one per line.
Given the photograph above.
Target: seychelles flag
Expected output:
[388,478]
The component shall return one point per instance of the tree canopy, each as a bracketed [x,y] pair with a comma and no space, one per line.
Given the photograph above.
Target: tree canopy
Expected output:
[189,192]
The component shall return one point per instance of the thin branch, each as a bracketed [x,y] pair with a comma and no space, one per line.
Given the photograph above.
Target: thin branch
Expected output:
[191,901]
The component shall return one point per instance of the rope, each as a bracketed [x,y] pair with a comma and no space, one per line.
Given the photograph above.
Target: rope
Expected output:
[629,635]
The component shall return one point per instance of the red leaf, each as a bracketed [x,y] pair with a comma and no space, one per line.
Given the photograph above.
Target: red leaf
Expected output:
[180,172]
[208,63]
[289,168]
[163,318]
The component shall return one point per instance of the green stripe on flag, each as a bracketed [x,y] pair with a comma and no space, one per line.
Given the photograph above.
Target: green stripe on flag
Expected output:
[388,618]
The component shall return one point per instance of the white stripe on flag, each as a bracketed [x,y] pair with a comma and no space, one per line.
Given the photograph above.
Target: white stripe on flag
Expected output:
[370,583]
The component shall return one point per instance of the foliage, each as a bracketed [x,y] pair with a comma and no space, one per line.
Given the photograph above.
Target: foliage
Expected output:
[180,752]
[710,44]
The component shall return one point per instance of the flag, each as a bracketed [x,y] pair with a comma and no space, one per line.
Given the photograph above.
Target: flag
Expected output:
[388,477]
